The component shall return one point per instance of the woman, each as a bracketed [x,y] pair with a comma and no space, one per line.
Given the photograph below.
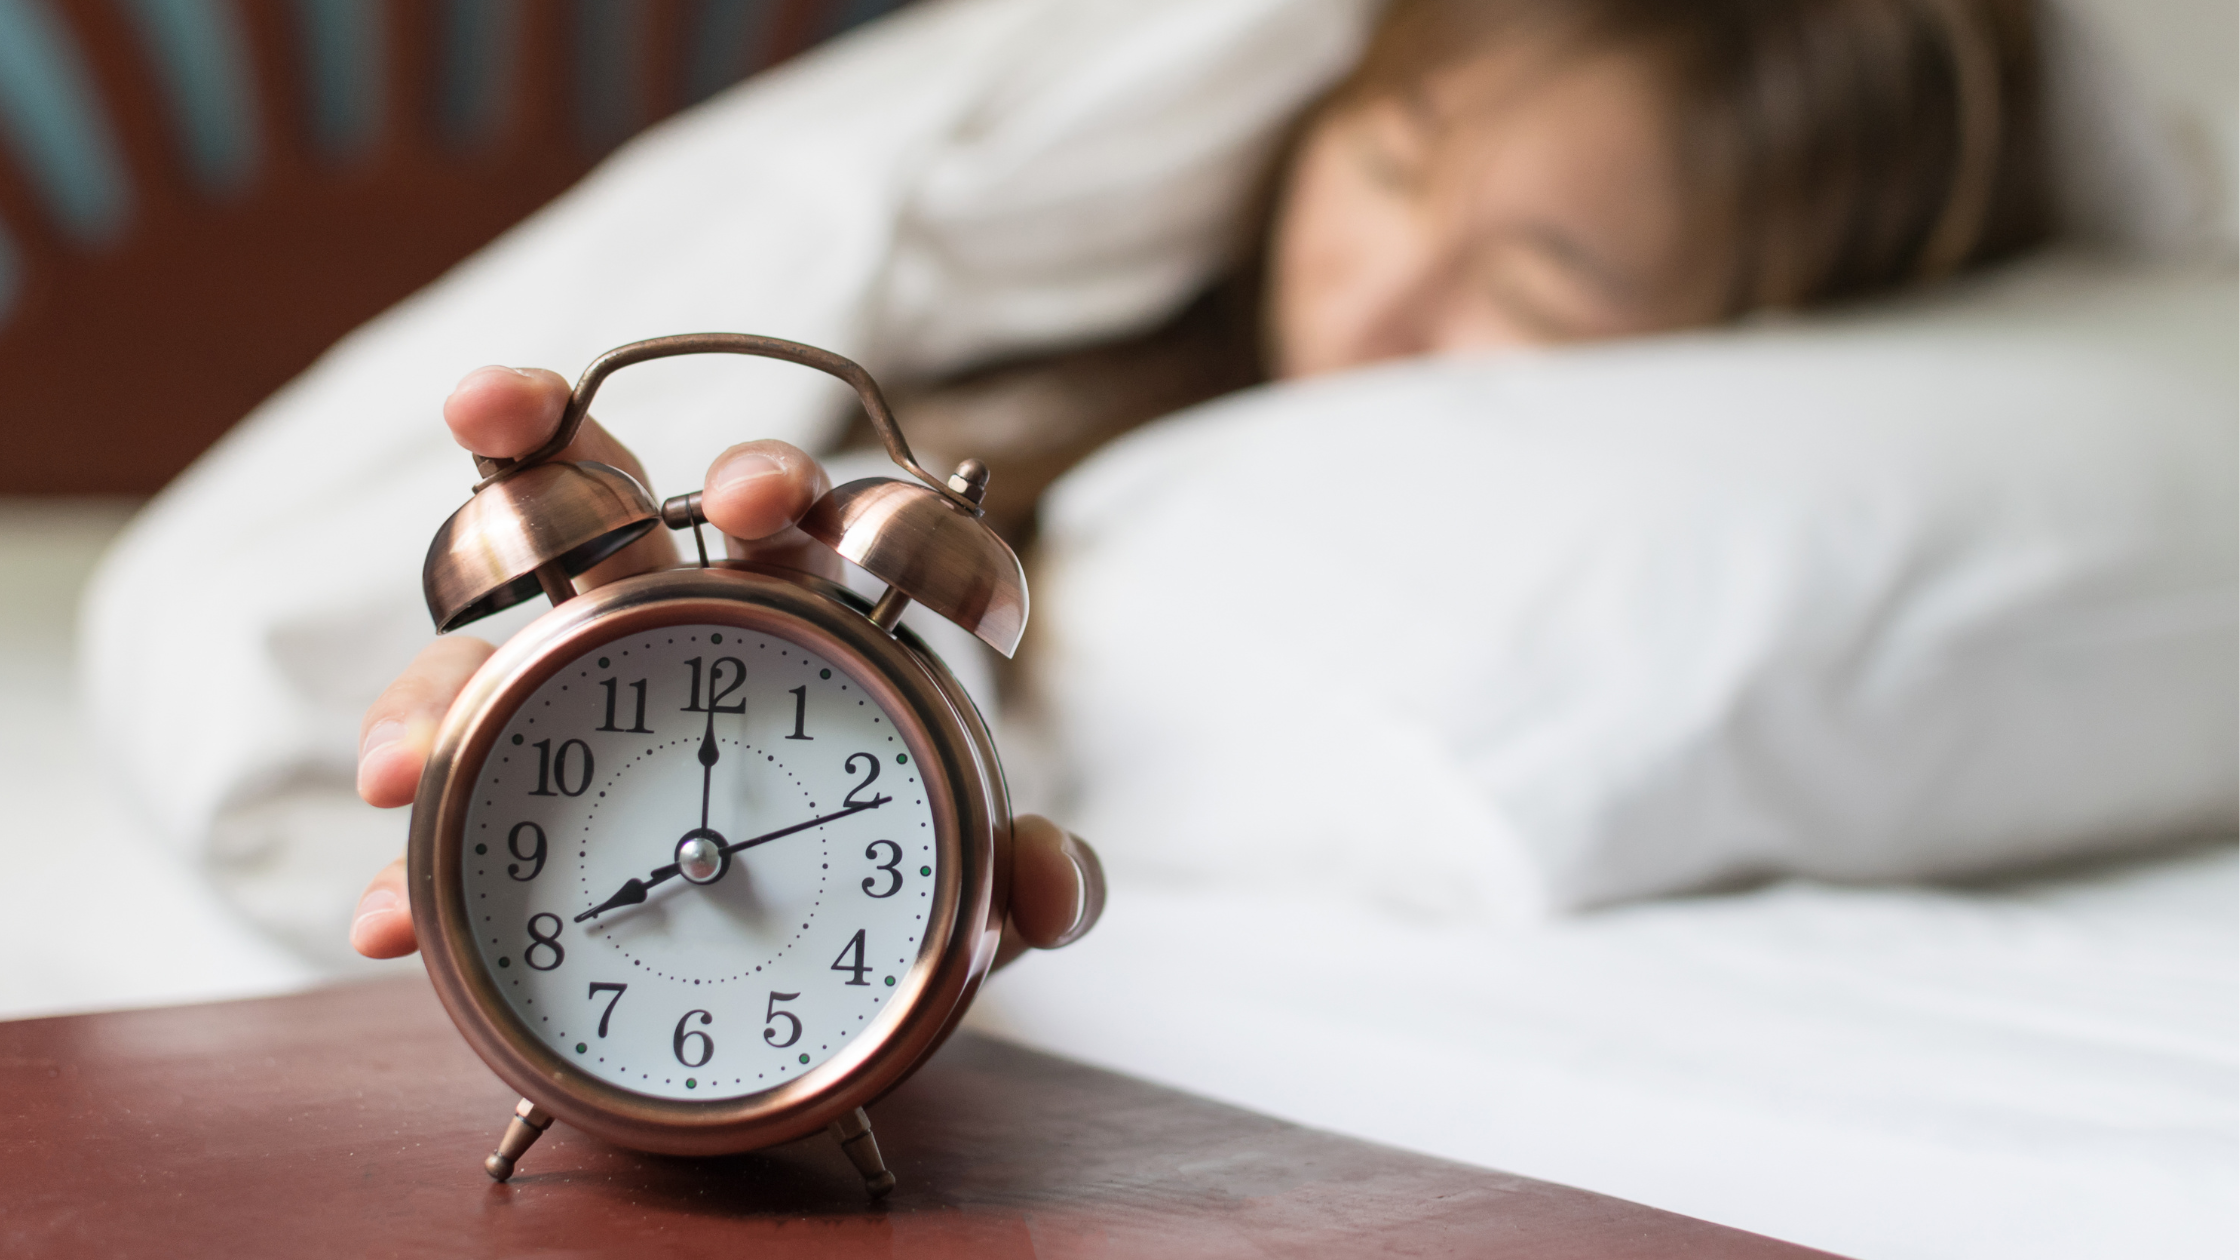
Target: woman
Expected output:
[1495,174]
[1502,173]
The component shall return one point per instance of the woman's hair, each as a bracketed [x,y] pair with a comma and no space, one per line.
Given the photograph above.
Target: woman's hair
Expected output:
[1843,146]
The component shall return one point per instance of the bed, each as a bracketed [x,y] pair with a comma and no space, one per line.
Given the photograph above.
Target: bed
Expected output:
[2038,1067]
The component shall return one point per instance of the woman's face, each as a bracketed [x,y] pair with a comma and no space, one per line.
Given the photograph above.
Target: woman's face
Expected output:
[1515,199]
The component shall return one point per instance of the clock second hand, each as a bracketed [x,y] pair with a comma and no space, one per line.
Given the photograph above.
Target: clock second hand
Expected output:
[633,891]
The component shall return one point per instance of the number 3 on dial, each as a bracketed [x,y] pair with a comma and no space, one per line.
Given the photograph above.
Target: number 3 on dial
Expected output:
[894,860]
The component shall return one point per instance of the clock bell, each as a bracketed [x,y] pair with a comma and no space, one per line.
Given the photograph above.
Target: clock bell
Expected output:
[536,523]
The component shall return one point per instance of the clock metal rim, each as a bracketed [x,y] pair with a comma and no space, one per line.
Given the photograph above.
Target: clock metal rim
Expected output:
[970,813]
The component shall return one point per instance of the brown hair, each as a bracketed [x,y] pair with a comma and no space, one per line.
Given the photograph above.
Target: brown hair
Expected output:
[1845,146]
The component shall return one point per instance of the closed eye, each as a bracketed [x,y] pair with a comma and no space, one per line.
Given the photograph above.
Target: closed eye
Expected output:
[1392,144]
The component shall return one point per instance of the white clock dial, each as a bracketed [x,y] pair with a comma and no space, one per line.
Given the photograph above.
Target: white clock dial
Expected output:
[699,861]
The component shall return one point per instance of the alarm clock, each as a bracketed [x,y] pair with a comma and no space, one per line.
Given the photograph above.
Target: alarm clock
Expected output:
[708,858]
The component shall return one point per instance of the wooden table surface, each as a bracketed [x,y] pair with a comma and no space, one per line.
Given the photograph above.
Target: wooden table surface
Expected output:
[353,1122]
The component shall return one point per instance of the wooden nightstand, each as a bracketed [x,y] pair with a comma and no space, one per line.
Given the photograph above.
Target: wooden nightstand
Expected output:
[353,1122]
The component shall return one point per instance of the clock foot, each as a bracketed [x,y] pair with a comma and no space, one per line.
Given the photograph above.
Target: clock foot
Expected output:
[528,1124]
[853,1133]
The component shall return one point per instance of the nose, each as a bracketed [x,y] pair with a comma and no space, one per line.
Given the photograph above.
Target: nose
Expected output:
[1404,324]
[1408,281]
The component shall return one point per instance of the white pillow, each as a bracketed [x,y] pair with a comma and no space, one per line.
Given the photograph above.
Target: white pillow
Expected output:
[2142,96]
[1938,591]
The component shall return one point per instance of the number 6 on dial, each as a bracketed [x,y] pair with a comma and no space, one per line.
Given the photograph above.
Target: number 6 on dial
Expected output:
[707,1043]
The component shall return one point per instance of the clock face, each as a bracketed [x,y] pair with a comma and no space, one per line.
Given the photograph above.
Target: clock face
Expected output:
[699,862]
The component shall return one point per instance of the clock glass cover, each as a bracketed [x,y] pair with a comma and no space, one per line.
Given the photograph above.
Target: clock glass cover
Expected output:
[698,862]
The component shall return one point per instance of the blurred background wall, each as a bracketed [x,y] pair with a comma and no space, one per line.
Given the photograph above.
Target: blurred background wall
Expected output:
[197,197]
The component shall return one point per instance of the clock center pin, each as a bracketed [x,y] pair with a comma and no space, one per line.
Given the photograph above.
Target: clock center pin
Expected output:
[700,856]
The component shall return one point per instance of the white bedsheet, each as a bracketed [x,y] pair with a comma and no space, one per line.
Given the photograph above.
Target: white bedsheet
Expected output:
[2045,1069]
[2039,1070]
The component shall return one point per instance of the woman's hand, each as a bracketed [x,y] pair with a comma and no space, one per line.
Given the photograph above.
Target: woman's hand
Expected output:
[754,494]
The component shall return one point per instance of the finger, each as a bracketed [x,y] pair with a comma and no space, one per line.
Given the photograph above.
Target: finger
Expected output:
[755,494]
[400,727]
[758,489]
[382,926]
[506,412]
[1057,883]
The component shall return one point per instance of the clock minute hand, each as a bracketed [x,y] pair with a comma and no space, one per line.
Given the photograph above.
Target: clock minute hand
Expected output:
[633,891]
[708,757]
[781,832]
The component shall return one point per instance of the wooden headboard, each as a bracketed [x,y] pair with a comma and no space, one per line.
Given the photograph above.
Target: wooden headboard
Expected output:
[122,358]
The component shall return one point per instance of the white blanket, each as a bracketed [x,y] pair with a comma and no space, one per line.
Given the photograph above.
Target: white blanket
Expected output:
[967,179]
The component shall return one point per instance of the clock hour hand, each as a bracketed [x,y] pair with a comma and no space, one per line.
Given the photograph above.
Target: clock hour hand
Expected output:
[632,892]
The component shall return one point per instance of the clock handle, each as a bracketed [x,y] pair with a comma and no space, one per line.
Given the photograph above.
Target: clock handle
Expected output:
[867,391]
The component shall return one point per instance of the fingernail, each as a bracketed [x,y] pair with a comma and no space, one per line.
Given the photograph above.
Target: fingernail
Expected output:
[1088,900]
[377,901]
[742,469]
[471,377]
[383,733]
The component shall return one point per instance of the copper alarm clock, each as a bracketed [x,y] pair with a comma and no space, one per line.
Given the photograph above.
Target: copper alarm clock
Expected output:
[708,858]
